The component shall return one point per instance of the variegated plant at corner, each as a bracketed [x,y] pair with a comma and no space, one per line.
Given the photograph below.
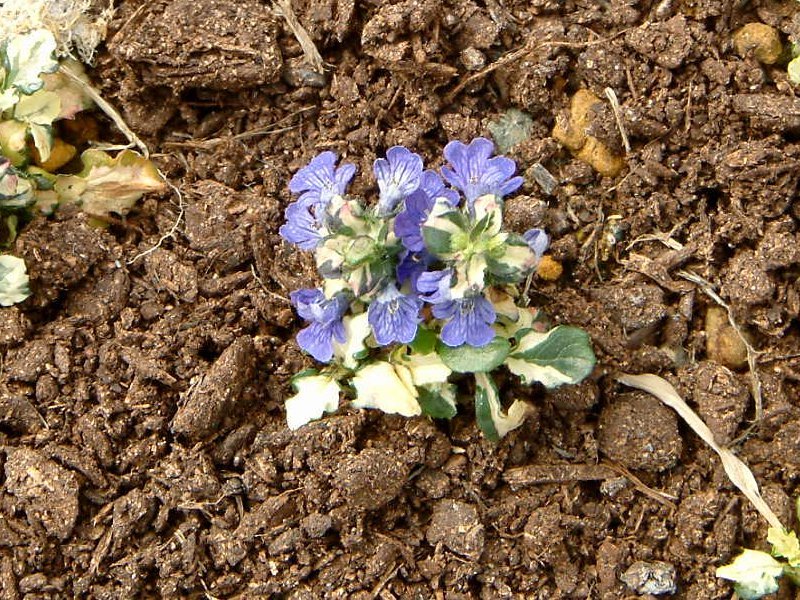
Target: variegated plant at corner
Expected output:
[37,170]
[420,287]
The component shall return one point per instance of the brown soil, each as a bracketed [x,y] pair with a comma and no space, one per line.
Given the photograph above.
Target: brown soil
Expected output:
[143,448]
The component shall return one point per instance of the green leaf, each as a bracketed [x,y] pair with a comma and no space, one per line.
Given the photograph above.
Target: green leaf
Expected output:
[13,280]
[109,185]
[26,57]
[387,387]
[424,369]
[492,420]
[562,355]
[424,342]
[754,573]
[12,224]
[357,329]
[512,128]
[9,97]
[438,403]
[491,206]
[445,232]
[316,394]
[485,395]
[437,241]
[469,359]
[514,263]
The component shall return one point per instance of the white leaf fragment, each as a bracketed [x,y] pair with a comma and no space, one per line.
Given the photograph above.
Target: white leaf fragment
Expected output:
[357,329]
[13,280]
[488,406]
[755,574]
[388,388]
[426,368]
[316,394]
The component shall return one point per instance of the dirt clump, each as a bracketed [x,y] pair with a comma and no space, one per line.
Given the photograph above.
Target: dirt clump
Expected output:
[47,492]
[457,525]
[372,478]
[640,433]
[220,395]
[213,44]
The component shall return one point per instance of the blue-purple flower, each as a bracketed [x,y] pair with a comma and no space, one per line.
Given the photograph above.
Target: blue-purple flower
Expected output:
[408,224]
[394,316]
[325,316]
[320,180]
[410,266]
[398,175]
[470,321]
[472,170]
[301,227]
[434,286]
[537,241]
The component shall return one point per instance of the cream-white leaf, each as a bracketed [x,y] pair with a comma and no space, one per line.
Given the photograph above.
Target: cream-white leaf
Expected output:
[316,394]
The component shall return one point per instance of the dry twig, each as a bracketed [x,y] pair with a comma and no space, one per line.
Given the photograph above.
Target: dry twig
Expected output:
[612,98]
[172,230]
[738,472]
[514,55]
[109,110]
[313,57]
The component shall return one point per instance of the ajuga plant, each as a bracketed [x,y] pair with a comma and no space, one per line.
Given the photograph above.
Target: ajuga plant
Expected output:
[421,290]
[38,169]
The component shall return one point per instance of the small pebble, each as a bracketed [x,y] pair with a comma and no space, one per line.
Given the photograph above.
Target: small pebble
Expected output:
[650,578]
[724,345]
[544,178]
[760,39]
[473,59]
[549,268]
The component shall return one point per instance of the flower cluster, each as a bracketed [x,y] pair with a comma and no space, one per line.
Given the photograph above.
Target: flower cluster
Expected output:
[422,277]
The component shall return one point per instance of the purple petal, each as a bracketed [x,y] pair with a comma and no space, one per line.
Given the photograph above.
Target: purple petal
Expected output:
[470,321]
[454,333]
[301,227]
[411,266]
[537,240]
[305,302]
[434,286]
[445,310]
[343,177]
[480,335]
[394,316]
[433,187]
[408,224]
[312,305]
[317,340]
[326,322]
[316,174]
[398,175]
[320,179]
[472,171]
